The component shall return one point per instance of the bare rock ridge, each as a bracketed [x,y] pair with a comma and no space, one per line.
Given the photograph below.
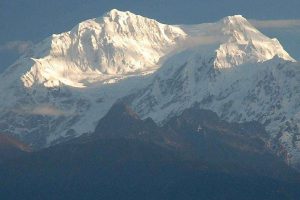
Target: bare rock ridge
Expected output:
[11,148]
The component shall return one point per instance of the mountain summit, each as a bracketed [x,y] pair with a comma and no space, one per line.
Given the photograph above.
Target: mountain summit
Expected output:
[235,41]
[244,43]
[116,44]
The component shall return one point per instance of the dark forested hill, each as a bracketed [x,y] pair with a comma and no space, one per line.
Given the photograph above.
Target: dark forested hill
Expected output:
[193,156]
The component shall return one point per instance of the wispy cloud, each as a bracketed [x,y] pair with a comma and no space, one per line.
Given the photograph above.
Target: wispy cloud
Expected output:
[278,24]
[200,40]
[44,109]
[47,110]
[196,41]
[17,46]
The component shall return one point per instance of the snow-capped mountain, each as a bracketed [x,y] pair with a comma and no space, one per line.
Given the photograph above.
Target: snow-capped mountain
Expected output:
[119,43]
[248,77]
[68,82]
[63,81]
[234,41]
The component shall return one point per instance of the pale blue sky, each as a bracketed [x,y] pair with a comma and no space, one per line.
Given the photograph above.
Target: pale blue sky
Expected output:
[33,20]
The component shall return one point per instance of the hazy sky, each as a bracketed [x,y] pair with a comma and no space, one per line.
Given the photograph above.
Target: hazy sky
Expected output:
[24,22]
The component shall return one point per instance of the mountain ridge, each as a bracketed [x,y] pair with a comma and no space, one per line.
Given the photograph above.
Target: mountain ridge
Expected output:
[192,152]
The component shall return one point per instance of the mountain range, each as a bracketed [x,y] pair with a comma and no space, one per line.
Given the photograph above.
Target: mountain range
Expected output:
[66,84]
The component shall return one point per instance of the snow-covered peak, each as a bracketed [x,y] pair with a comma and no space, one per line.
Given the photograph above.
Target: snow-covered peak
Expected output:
[243,43]
[233,41]
[235,20]
[116,44]
[238,29]
[114,13]
[127,24]
[119,16]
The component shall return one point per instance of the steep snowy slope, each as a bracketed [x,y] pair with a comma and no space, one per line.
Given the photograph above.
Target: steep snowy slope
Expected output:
[68,82]
[266,92]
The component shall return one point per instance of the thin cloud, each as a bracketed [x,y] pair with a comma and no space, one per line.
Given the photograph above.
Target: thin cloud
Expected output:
[45,109]
[199,40]
[195,41]
[289,23]
[17,46]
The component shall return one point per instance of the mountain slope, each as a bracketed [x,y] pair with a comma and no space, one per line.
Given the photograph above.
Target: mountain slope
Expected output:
[266,92]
